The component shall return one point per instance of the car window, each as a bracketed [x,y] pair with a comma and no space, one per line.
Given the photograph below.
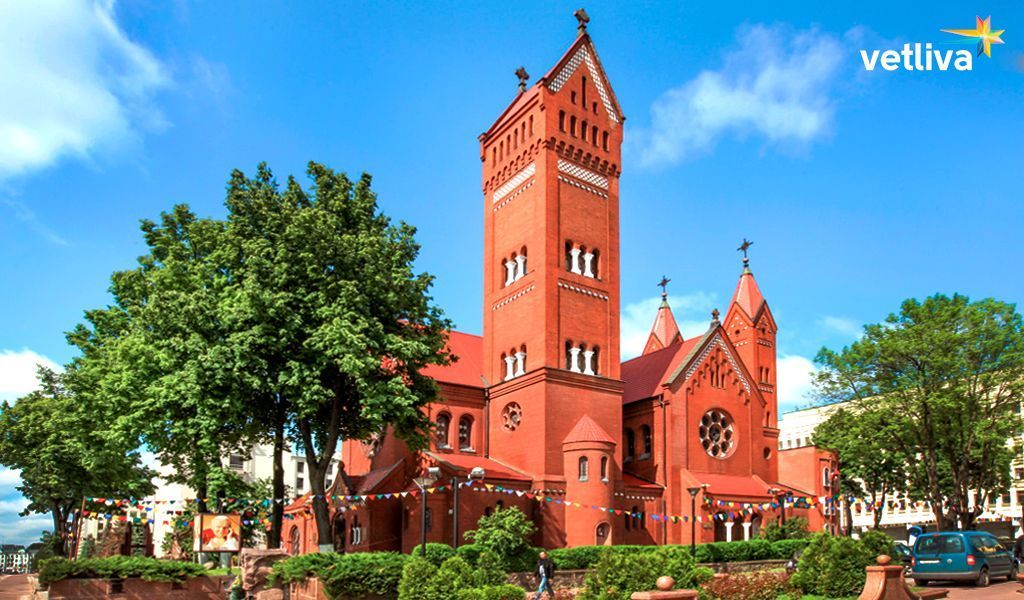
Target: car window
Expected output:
[951,544]
[985,543]
[901,550]
[927,545]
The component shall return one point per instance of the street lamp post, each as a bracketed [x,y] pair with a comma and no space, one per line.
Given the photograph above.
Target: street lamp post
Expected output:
[476,474]
[693,520]
[423,483]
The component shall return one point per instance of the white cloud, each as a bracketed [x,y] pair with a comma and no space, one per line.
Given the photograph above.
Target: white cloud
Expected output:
[18,372]
[9,479]
[692,313]
[777,85]
[74,84]
[794,377]
[842,325]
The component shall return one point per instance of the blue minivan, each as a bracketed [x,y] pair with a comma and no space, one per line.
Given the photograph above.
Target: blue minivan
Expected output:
[961,556]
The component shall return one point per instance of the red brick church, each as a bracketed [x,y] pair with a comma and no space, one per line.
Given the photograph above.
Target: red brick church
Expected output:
[595,450]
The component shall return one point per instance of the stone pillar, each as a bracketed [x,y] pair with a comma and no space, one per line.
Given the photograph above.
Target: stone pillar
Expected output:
[520,266]
[575,262]
[510,272]
[510,362]
[886,582]
[520,363]
[588,360]
[588,259]
[728,531]
[574,359]
[746,530]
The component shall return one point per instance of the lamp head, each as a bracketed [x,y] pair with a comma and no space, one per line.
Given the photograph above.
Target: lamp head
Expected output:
[477,473]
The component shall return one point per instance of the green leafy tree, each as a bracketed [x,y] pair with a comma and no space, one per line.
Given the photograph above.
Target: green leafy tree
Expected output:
[505,532]
[58,442]
[334,322]
[159,353]
[868,460]
[795,528]
[948,374]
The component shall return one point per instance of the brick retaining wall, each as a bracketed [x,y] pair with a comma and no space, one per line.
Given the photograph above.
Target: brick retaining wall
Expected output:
[198,588]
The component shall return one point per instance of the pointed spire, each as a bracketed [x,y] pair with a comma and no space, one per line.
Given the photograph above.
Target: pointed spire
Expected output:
[748,295]
[583,18]
[665,331]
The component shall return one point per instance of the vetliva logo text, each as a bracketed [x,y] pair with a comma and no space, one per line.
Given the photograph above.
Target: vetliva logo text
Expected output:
[914,57]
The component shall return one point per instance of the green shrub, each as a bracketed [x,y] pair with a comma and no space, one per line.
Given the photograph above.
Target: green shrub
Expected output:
[416,577]
[581,557]
[118,567]
[618,574]
[469,553]
[488,570]
[436,553]
[795,528]
[876,542]
[505,591]
[471,594]
[833,566]
[453,575]
[785,549]
[506,532]
[357,574]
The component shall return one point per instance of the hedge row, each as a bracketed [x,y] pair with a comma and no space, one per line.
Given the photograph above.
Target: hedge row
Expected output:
[117,567]
[357,574]
[585,557]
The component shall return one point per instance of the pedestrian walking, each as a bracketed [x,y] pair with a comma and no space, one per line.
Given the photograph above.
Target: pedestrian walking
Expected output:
[1018,549]
[545,572]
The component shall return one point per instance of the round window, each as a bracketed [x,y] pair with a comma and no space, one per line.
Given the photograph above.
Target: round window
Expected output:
[717,433]
[511,416]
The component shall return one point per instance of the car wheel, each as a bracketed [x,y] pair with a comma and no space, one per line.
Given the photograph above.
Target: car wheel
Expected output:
[1013,574]
[983,580]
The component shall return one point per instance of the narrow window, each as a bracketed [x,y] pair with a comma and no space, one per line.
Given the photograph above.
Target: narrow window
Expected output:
[444,421]
[561,121]
[648,441]
[531,124]
[494,156]
[604,142]
[583,88]
[584,468]
[630,445]
[466,433]
[595,107]
[572,97]
[604,468]
[572,126]
[593,135]
[583,131]
[501,150]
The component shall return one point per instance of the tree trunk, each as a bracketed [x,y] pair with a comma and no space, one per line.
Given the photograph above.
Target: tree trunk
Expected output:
[276,506]
[848,514]
[59,528]
[318,463]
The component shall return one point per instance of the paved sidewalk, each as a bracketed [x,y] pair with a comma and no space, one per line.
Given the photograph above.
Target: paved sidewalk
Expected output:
[1004,590]
[15,587]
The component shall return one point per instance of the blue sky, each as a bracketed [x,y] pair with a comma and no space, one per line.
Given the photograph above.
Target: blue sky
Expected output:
[756,120]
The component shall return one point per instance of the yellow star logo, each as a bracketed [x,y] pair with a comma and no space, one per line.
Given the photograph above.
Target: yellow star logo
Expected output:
[983,32]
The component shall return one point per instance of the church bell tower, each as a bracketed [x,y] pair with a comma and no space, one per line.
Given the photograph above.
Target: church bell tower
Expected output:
[551,166]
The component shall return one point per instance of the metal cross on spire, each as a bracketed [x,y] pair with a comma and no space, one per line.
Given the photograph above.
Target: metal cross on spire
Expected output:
[583,18]
[523,78]
[663,284]
[743,248]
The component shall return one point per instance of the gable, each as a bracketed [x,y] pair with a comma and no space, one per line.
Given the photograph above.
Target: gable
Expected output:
[585,55]
[718,342]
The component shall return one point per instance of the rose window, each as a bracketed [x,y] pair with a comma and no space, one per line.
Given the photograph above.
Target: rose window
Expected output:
[717,433]
[511,416]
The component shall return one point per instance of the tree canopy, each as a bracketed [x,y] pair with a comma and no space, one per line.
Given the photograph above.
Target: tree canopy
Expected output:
[945,379]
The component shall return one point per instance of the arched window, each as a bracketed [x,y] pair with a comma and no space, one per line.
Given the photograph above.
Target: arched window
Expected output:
[601,535]
[357,531]
[630,444]
[572,126]
[561,121]
[501,150]
[531,124]
[645,434]
[593,135]
[583,131]
[584,468]
[604,141]
[604,468]
[295,541]
[466,433]
[826,477]
[444,421]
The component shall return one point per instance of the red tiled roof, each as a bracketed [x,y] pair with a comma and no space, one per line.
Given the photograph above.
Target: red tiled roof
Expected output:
[748,295]
[664,332]
[468,369]
[587,430]
[369,481]
[734,486]
[635,482]
[644,375]
[462,464]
